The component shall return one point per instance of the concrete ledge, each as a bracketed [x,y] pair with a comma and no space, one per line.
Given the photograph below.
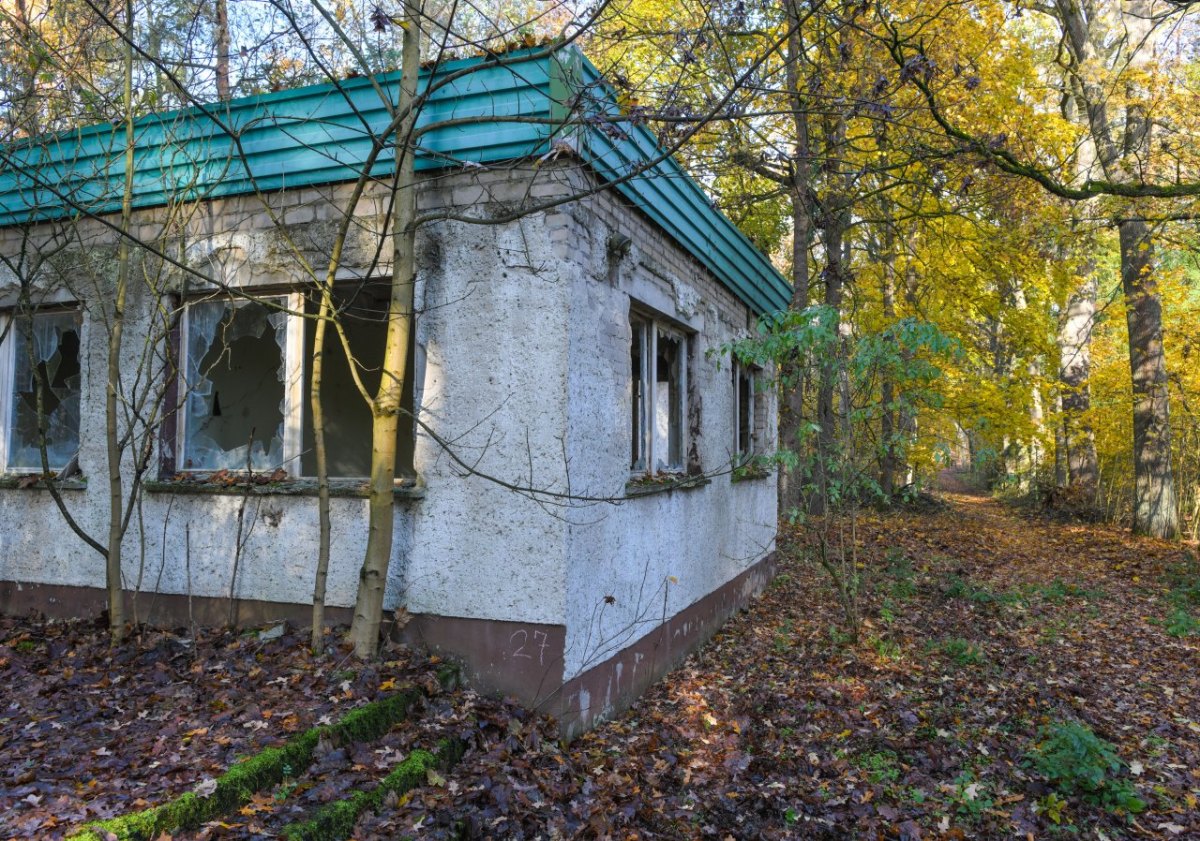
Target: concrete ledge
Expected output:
[33,482]
[638,488]
[352,488]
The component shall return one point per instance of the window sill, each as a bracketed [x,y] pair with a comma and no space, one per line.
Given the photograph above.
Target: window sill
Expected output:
[34,482]
[342,488]
[651,485]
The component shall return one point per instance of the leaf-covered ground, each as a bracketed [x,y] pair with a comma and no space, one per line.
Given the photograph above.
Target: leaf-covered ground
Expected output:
[986,630]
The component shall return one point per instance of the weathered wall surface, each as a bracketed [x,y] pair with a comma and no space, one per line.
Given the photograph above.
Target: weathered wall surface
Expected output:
[491,354]
[634,565]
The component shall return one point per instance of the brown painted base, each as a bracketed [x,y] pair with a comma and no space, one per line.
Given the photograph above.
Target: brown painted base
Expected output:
[606,689]
[158,610]
[518,659]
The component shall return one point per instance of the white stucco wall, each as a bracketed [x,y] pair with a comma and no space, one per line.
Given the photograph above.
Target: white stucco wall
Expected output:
[492,348]
[653,555]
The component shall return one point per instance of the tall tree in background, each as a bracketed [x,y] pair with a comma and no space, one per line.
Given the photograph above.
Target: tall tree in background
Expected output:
[1110,48]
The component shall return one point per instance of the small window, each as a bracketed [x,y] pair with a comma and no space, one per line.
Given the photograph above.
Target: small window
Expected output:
[744,432]
[658,380]
[39,357]
[247,376]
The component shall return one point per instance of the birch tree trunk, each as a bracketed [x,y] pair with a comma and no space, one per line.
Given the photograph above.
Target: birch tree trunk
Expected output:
[368,608]
[1080,464]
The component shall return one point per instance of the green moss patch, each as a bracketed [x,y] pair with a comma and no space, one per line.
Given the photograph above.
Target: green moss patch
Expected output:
[261,771]
[336,821]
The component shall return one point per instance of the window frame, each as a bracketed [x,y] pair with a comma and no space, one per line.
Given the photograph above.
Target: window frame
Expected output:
[8,372]
[647,328]
[750,375]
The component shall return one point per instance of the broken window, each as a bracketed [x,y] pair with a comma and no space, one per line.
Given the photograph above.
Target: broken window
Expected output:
[247,379]
[40,356]
[743,413]
[659,396]
[238,395]
[640,391]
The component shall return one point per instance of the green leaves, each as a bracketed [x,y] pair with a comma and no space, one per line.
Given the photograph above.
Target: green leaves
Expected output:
[1078,762]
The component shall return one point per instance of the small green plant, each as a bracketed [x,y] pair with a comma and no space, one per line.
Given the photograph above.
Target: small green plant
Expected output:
[961,651]
[25,646]
[1156,744]
[839,637]
[971,797]
[900,570]
[1077,762]
[885,648]
[1051,631]
[887,611]
[1184,580]
[1058,591]
[1052,807]
[1181,622]
[880,766]
[958,587]
[1183,599]
[289,783]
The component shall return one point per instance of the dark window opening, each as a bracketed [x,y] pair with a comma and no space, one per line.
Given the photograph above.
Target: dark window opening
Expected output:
[362,312]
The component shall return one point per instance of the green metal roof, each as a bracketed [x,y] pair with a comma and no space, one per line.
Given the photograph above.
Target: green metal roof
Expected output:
[517,107]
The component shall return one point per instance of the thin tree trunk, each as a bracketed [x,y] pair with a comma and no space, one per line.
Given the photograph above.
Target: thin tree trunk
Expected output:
[791,421]
[222,49]
[368,608]
[889,464]
[317,639]
[1074,341]
[116,490]
[833,233]
[1061,471]
[1155,510]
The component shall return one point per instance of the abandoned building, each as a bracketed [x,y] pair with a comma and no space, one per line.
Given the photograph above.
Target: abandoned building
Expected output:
[577,510]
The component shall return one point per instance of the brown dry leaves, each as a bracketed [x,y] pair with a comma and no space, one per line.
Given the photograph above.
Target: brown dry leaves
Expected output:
[983,627]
